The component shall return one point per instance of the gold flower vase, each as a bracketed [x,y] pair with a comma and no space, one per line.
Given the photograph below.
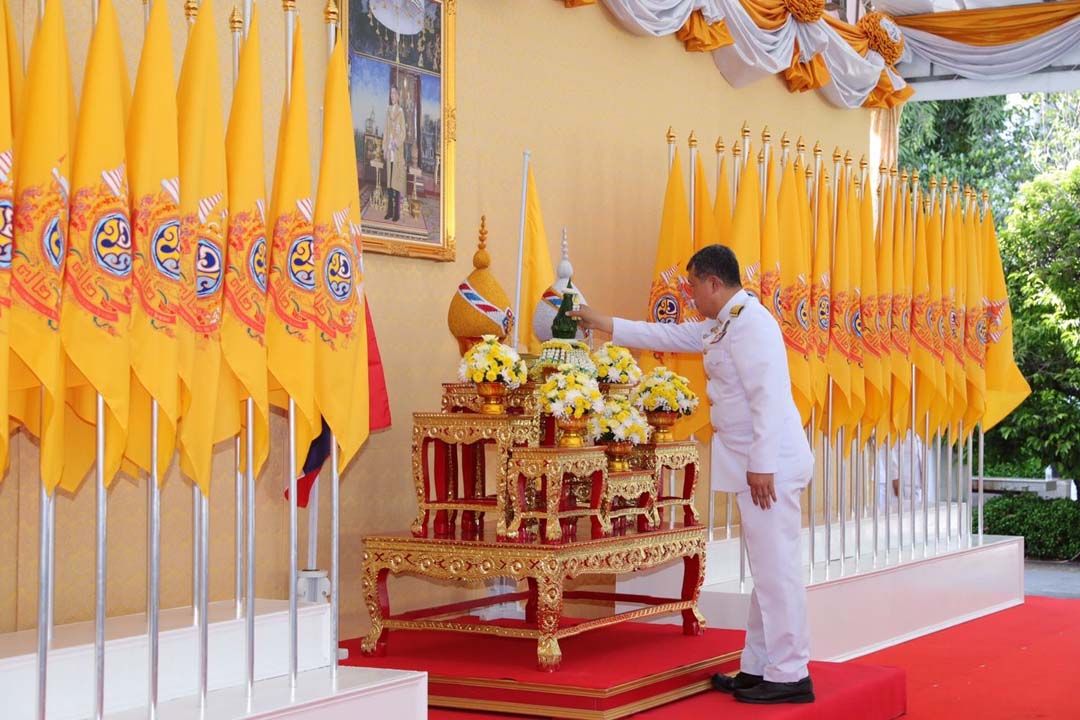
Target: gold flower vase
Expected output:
[572,431]
[618,454]
[661,422]
[493,397]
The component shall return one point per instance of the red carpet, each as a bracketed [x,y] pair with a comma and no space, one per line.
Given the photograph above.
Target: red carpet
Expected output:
[1018,664]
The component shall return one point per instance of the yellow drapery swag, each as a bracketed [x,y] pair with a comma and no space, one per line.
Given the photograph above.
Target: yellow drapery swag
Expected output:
[705,230]
[669,297]
[341,359]
[153,174]
[96,312]
[872,346]
[770,244]
[1006,387]
[903,249]
[10,89]
[820,297]
[537,274]
[243,323]
[794,303]
[746,224]
[975,321]
[987,27]
[885,279]
[42,181]
[722,204]
[839,357]
[697,35]
[203,205]
[290,341]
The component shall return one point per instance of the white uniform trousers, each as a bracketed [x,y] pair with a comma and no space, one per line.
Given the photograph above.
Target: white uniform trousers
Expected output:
[777,634]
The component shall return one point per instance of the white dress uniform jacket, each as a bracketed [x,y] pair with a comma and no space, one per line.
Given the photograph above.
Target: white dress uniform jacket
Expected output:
[897,465]
[756,424]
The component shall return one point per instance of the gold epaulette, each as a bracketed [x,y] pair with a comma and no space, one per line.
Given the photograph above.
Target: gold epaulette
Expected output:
[736,310]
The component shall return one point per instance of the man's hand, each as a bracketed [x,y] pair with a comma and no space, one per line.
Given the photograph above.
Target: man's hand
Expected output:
[592,320]
[762,489]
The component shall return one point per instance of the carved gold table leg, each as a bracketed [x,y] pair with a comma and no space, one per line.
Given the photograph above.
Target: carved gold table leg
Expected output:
[378,606]
[693,578]
[421,485]
[549,602]
[553,531]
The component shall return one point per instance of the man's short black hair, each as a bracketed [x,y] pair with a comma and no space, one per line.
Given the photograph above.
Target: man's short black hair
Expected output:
[718,261]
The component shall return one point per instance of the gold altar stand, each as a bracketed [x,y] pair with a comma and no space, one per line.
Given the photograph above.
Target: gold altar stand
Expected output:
[546,567]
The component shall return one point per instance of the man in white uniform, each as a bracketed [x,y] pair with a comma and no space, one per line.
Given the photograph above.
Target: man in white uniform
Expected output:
[759,451]
[894,472]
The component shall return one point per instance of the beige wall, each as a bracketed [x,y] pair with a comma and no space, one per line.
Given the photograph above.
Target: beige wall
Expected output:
[592,102]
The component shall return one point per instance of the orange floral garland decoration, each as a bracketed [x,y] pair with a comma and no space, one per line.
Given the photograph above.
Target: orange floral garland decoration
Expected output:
[882,35]
[806,11]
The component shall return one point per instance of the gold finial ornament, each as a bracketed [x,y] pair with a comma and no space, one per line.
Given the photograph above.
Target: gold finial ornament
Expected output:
[892,172]
[848,159]
[288,5]
[817,149]
[330,12]
[836,156]
[766,136]
[761,154]
[236,20]
[670,136]
[191,9]
[737,149]
[719,144]
[933,183]
[785,141]
[863,163]
[692,140]
[745,132]
[800,145]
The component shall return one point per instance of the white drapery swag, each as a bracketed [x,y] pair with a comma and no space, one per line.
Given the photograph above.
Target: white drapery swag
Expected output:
[995,62]
[757,53]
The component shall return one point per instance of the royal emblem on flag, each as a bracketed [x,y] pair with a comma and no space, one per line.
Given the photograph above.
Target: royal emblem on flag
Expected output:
[111,243]
[245,278]
[302,262]
[339,274]
[156,257]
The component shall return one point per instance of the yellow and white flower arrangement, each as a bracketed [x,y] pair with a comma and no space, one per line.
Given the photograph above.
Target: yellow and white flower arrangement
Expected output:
[620,421]
[663,390]
[491,361]
[570,393]
[615,365]
[555,352]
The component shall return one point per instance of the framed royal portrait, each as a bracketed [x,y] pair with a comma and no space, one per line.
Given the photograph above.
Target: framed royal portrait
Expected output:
[401,85]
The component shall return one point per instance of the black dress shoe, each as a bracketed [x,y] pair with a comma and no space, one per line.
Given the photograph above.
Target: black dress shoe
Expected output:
[729,684]
[771,693]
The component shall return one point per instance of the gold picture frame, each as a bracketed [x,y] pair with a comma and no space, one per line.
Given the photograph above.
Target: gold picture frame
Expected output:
[401,57]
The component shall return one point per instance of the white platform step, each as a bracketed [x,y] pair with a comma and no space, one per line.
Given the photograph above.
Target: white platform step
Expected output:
[867,603]
[71,659]
[359,693]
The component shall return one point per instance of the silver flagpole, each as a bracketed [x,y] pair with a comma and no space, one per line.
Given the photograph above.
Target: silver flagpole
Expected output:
[335,475]
[860,480]
[154,591]
[204,594]
[191,10]
[960,483]
[967,484]
[888,494]
[982,471]
[99,557]
[812,510]
[926,487]
[841,488]
[873,488]
[937,491]
[236,26]
[45,537]
[249,596]
[948,488]
[826,495]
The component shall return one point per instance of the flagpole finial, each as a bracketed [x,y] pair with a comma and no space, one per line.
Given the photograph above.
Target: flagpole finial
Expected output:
[331,12]
[736,150]
[766,135]
[809,171]
[933,183]
[692,140]
[719,147]
[836,156]
[986,196]
[670,136]
[863,163]
[892,172]
[955,186]
[915,177]
[191,9]
[288,5]
[800,145]
[883,168]
[847,158]
[745,131]
[903,175]
[236,20]
[785,141]
[817,149]
[761,155]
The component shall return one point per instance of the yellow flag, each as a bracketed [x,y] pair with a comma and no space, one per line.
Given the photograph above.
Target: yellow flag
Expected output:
[42,182]
[203,204]
[705,231]
[872,346]
[669,296]
[96,312]
[959,313]
[770,246]
[290,334]
[243,324]
[10,86]
[903,247]
[722,204]
[820,296]
[1006,387]
[341,379]
[794,303]
[927,328]
[854,321]
[885,278]
[746,225]
[923,324]
[537,274]
[153,174]
[838,359]
[975,337]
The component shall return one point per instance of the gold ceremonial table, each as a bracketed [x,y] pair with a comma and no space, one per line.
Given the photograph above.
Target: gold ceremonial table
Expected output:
[545,568]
